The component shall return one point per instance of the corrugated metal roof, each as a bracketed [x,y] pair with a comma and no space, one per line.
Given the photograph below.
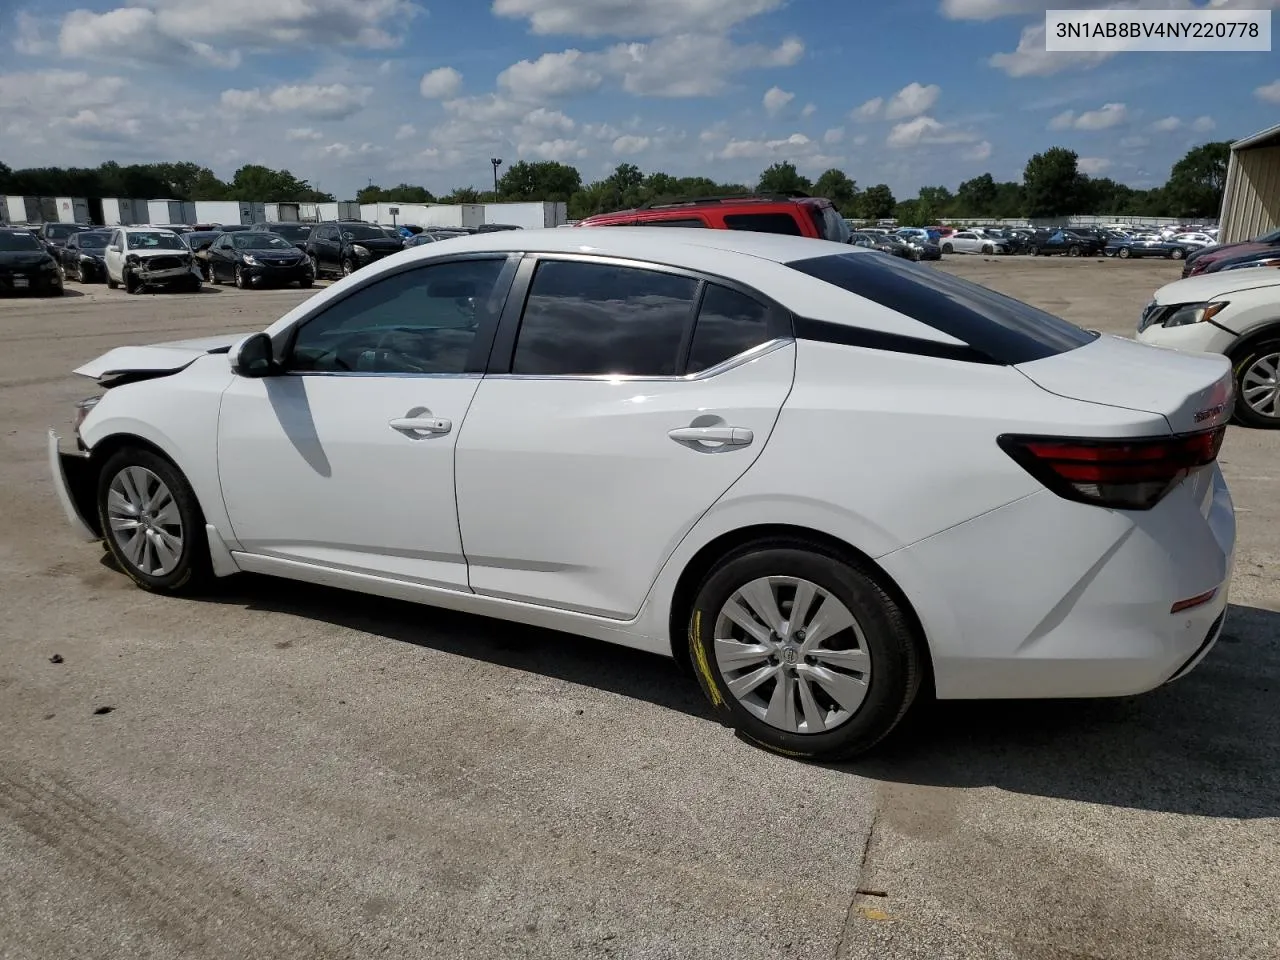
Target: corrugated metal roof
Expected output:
[1265,138]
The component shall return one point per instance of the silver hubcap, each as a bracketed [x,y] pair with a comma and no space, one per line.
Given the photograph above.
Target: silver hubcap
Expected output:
[1260,386]
[792,654]
[145,522]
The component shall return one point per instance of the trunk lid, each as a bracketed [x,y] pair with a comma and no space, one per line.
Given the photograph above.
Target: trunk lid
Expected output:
[1192,391]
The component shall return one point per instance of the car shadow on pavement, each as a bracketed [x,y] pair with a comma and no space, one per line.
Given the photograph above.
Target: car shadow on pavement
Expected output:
[1206,745]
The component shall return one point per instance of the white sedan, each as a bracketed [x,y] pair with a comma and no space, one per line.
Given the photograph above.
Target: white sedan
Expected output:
[824,478]
[1197,239]
[969,241]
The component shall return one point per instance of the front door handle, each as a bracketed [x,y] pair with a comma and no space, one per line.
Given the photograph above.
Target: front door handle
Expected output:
[729,436]
[421,426]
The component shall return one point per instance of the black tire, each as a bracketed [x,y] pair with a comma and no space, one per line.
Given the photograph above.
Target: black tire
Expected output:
[193,571]
[1244,414]
[305,283]
[1177,253]
[1073,250]
[989,250]
[131,283]
[240,284]
[208,273]
[213,276]
[112,284]
[315,266]
[1123,253]
[898,665]
[1033,250]
[348,266]
[948,248]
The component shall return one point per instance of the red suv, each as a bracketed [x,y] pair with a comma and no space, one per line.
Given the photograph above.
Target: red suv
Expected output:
[763,213]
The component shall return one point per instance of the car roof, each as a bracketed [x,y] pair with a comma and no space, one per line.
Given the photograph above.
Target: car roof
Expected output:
[152,230]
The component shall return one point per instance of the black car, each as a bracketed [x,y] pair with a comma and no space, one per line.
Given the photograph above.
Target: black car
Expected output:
[886,243]
[54,236]
[26,266]
[1046,243]
[249,258]
[82,257]
[342,247]
[295,233]
[1129,247]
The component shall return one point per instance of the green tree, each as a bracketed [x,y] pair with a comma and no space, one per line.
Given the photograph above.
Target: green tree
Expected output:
[256,182]
[836,186]
[783,178]
[462,195]
[544,180]
[876,202]
[1051,183]
[976,197]
[1197,181]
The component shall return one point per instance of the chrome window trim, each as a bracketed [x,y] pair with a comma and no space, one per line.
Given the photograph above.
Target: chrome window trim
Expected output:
[755,353]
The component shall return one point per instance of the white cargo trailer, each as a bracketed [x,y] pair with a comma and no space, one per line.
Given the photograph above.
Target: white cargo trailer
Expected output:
[124,211]
[308,212]
[72,209]
[222,212]
[455,215]
[530,216]
[281,212]
[164,212]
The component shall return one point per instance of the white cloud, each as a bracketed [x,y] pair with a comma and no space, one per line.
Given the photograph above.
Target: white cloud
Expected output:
[629,145]
[1203,124]
[977,152]
[345,152]
[809,110]
[925,131]
[175,30]
[860,139]
[333,101]
[30,39]
[601,131]
[1270,93]
[303,133]
[911,101]
[546,121]
[1167,125]
[1092,165]
[691,65]
[627,18]
[775,100]
[558,149]
[1107,116]
[714,133]
[1030,59]
[552,75]
[744,149]
[406,131]
[834,135]
[869,110]
[442,83]
[1133,143]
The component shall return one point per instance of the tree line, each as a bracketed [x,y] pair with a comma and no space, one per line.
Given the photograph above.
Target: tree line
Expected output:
[1052,185]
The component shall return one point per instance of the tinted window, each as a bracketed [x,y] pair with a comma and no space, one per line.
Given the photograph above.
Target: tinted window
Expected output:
[591,319]
[358,231]
[764,223]
[729,323]
[260,241]
[18,241]
[1006,330]
[290,231]
[60,231]
[671,223]
[91,241]
[830,224]
[417,321]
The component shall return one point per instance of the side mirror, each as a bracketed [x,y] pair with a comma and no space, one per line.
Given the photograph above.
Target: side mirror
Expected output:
[254,357]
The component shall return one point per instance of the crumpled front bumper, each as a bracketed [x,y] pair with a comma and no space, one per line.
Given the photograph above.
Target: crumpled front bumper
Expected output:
[73,483]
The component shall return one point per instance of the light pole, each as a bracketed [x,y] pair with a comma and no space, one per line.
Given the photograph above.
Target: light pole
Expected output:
[497,162]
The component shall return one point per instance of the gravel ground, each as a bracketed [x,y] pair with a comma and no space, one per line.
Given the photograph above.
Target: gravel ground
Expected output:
[287,771]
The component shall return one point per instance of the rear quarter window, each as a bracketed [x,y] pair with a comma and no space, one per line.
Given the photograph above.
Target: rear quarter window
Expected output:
[783,223]
[1001,328]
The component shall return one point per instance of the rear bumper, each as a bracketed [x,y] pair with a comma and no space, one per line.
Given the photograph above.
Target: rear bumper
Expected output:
[266,276]
[73,484]
[35,281]
[1077,601]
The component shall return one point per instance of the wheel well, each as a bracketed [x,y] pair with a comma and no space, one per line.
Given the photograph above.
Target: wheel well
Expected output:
[107,447]
[702,562]
[1238,350]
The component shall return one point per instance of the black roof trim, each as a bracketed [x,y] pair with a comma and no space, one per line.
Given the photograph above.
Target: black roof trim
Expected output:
[824,331]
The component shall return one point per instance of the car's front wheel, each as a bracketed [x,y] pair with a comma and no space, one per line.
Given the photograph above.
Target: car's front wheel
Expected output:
[1258,386]
[948,248]
[131,283]
[1176,253]
[152,523]
[802,652]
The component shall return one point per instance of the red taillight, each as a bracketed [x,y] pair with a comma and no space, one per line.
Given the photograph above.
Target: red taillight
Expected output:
[1121,474]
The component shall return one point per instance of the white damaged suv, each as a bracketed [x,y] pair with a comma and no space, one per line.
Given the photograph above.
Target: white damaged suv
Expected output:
[1235,313]
[141,257]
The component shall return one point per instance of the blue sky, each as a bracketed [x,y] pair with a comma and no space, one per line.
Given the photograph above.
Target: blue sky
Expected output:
[341,92]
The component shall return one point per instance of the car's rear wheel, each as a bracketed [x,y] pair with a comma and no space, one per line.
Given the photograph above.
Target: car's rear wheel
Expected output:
[1033,250]
[1258,386]
[989,250]
[802,652]
[1073,251]
[152,523]
[315,268]
[1177,253]
[1123,254]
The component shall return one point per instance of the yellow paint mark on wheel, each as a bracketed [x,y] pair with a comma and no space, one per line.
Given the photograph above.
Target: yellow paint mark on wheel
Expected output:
[700,660]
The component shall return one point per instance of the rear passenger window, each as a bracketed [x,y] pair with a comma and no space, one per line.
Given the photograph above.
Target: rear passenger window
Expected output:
[764,223]
[589,319]
[671,223]
[729,323]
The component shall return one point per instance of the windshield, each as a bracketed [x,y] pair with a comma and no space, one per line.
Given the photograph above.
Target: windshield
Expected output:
[18,241]
[93,241]
[60,231]
[359,231]
[1006,330]
[154,241]
[260,241]
[291,231]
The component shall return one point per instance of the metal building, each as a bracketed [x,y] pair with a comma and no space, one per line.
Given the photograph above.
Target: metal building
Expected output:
[1251,201]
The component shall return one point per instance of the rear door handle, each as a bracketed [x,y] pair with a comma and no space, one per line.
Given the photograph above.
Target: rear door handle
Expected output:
[421,426]
[729,436]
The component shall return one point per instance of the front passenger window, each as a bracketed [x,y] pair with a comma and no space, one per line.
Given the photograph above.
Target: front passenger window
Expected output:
[423,320]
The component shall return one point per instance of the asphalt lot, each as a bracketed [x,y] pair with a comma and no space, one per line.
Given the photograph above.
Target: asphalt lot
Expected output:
[295,772]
